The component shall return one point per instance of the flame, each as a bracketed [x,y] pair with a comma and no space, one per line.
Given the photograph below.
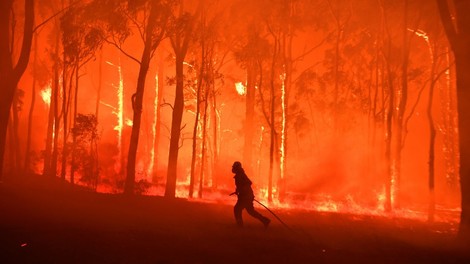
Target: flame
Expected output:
[241,88]
[154,129]
[349,205]
[282,157]
[119,112]
[46,94]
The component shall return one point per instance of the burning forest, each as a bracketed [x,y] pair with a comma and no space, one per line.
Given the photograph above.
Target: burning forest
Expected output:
[351,107]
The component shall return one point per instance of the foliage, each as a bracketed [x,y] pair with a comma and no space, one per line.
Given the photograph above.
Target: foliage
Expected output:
[86,134]
[85,27]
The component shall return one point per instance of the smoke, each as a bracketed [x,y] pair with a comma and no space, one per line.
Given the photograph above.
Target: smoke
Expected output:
[338,166]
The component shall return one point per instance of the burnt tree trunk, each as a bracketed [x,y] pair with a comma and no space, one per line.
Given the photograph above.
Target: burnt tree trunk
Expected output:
[431,159]
[10,74]
[196,129]
[51,134]
[249,115]
[179,42]
[203,147]
[27,158]
[458,33]
[14,139]
[402,102]
[73,166]
[137,98]
[56,122]
[177,116]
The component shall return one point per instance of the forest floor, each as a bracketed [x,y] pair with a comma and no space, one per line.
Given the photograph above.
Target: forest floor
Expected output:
[43,220]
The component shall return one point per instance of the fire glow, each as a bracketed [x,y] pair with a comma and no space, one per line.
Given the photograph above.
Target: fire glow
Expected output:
[311,120]
[240,87]
[46,94]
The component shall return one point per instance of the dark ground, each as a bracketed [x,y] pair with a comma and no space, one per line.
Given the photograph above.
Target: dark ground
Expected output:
[45,221]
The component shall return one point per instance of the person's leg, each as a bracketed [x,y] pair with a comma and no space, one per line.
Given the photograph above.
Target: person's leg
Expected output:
[237,211]
[251,210]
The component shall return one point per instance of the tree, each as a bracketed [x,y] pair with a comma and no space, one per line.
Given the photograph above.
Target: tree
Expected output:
[80,44]
[112,21]
[206,66]
[180,37]
[454,16]
[10,72]
[155,29]
[86,136]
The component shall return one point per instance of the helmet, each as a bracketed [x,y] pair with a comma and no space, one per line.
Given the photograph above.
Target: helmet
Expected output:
[237,164]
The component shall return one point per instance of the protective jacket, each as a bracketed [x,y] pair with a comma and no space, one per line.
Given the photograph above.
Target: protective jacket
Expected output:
[243,185]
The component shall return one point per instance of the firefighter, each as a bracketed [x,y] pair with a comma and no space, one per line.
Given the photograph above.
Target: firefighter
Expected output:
[245,196]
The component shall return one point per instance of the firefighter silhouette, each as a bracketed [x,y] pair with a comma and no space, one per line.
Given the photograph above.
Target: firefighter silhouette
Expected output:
[245,196]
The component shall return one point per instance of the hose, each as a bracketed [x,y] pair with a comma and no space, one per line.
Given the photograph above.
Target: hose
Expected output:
[277,217]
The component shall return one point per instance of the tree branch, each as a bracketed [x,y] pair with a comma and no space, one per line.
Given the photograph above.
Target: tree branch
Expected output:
[27,40]
[53,16]
[123,51]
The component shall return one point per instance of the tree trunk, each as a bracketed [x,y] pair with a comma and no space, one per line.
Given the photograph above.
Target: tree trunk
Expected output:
[8,73]
[431,160]
[27,158]
[51,136]
[463,97]
[15,140]
[460,43]
[388,148]
[180,43]
[215,131]
[137,99]
[403,99]
[100,84]
[55,144]
[249,115]
[65,113]
[195,130]
[73,166]
[177,116]
[272,120]
[203,149]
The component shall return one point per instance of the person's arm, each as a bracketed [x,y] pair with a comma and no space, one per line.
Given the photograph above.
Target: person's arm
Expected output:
[236,187]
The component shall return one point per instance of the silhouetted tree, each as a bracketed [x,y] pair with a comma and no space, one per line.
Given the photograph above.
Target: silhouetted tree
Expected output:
[180,35]
[86,138]
[154,28]
[80,44]
[10,72]
[455,18]
[113,19]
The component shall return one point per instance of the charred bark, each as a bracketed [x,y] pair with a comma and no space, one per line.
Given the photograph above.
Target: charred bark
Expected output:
[10,74]
[431,157]
[27,158]
[195,129]
[137,99]
[179,42]
[459,38]
[401,108]
[177,116]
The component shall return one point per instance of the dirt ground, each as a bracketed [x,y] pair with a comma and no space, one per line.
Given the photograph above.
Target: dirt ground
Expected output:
[43,220]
